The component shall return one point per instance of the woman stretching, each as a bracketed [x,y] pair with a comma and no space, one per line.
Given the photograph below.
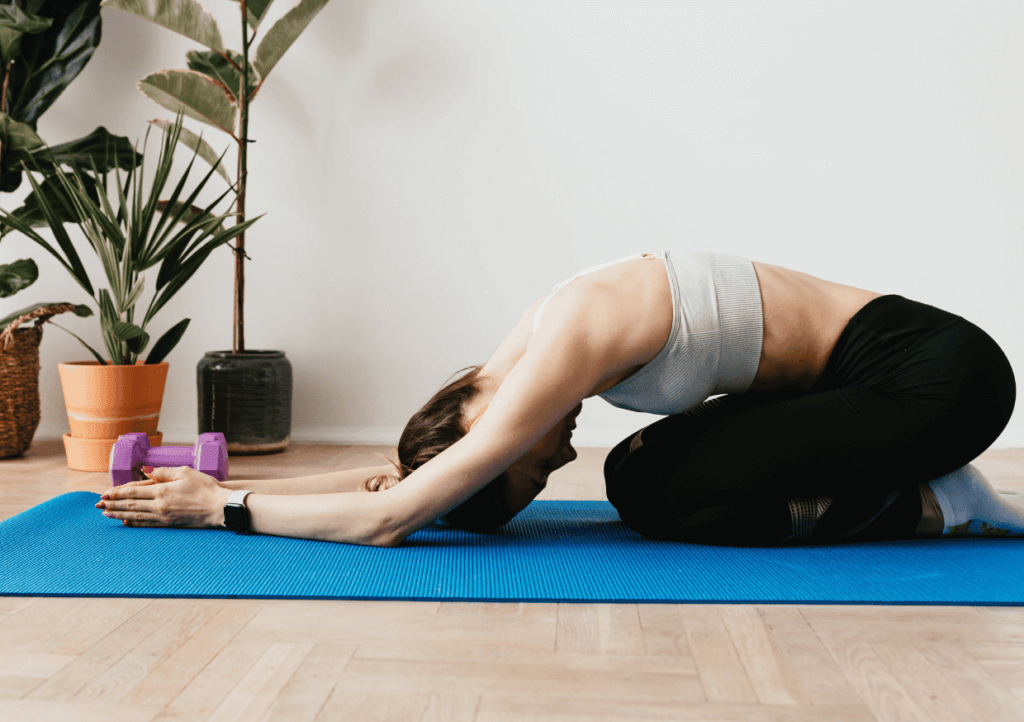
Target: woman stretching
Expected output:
[846,415]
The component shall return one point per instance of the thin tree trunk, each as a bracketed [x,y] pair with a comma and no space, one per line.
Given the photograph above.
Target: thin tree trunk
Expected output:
[238,345]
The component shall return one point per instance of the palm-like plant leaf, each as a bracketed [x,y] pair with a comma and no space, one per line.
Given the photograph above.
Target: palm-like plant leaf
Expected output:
[131,234]
[200,146]
[187,269]
[167,342]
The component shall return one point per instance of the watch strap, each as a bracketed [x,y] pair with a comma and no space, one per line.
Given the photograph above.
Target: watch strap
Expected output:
[236,514]
[238,497]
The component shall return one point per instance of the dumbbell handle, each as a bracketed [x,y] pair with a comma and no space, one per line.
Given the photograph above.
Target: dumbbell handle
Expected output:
[169,456]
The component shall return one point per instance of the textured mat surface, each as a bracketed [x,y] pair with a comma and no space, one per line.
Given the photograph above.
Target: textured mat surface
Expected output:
[571,551]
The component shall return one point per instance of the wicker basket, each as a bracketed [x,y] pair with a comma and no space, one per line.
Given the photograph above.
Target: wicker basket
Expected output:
[19,379]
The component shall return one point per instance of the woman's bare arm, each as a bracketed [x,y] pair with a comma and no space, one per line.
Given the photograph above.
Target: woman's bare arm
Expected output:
[329,483]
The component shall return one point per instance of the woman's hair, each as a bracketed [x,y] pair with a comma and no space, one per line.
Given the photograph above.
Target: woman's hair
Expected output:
[431,430]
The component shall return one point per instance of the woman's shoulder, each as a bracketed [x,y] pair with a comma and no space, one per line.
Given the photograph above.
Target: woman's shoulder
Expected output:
[627,307]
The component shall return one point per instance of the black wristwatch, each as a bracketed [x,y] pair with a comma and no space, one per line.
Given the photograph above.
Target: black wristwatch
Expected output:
[236,515]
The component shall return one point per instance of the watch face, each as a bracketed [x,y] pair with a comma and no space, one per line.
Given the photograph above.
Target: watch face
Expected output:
[236,517]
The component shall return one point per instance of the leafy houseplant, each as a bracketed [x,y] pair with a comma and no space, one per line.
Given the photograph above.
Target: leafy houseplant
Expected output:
[244,394]
[44,45]
[131,233]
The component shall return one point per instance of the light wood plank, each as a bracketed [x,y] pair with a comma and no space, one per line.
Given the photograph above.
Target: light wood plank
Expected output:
[451,707]
[883,693]
[988,699]
[375,704]
[214,682]
[722,674]
[65,626]
[168,678]
[92,665]
[663,631]
[938,700]
[254,694]
[302,621]
[27,664]
[815,671]
[309,687]
[769,675]
[502,707]
[528,673]
[599,629]
[175,629]
[36,711]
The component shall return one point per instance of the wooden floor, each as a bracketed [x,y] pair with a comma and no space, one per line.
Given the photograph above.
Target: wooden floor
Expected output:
[142,659]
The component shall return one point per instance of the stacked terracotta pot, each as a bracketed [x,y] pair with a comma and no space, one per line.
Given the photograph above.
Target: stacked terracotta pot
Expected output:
[106,401]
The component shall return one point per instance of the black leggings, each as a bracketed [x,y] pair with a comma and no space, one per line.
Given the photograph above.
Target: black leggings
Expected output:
[910,393]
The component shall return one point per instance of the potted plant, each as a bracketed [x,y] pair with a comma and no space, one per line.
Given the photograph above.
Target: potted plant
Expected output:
[44,45]
[244,394]
[131,230]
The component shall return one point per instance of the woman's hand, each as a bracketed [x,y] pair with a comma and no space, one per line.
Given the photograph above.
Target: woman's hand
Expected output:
[173,496]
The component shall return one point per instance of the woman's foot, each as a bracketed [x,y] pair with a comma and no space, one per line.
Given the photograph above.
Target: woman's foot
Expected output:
[970,506]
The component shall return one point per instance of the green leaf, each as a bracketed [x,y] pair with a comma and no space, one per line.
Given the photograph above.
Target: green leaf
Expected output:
[100,148]
[77,272]
[15,22]
[108,322]
[18,140]
[16,276]
[215,65]
[133,295]
[188,268]
[255,11]
[194,94]
[79,311]
[185,17]
[74,263]
[283,33]
[124,331]
[52,59]
[135,337]
[18,136]
[167,342]
[56,197]
[197,144]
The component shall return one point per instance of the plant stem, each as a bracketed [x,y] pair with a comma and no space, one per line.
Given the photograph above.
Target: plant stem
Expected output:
[238,345]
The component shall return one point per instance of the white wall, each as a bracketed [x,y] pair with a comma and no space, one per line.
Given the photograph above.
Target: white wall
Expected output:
[430,169]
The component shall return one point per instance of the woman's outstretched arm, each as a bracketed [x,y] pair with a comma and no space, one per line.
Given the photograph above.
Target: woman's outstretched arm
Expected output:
[328,483]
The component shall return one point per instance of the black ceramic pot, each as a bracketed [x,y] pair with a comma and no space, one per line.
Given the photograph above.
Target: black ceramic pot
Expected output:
[247,397]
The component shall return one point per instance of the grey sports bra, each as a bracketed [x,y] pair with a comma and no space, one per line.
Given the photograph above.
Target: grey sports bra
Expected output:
[715,343]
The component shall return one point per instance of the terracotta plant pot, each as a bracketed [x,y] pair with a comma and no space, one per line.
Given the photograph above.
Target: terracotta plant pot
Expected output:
[106,401]
[94,454]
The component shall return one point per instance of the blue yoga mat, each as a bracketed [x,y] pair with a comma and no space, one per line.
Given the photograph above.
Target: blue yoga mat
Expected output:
[555,551]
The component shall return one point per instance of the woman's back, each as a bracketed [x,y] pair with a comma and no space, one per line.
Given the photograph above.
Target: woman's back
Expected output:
[802,317]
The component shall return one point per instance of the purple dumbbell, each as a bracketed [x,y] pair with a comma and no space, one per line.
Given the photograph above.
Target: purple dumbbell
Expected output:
[132,451]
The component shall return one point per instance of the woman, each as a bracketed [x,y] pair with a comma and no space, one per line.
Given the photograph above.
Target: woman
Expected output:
[846,415]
